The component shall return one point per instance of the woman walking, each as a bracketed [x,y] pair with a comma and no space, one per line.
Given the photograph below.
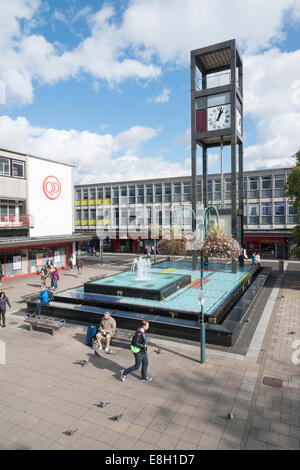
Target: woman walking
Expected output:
[3,301]
[139,350]
[79,266]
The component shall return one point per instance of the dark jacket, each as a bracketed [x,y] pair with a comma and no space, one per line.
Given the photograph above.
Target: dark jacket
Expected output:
[3,303]
[139,341]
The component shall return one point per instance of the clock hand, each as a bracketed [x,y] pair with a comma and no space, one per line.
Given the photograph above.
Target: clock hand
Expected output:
[220,113]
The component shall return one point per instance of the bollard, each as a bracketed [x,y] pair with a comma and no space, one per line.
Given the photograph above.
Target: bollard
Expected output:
[281,266]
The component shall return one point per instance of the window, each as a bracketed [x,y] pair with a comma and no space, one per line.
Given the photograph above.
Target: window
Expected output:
[266,186]
[279,185]
[4,166]
[78,195]
[253,188]
[253,214]
[167,192]
[18,169]
[266,209]
[131,191]
[158,193]
[107,193]
[115,193]
[200,103]
[292,214]
[149,193]
[279,211]
[187,192]
[217,191]
[219,99]
[209,184]
[177,192]
[140,191]
[100,193]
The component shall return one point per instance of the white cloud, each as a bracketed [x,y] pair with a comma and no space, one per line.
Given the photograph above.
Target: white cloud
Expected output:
[163,97]
[97,157]
[123,47]
[278,139]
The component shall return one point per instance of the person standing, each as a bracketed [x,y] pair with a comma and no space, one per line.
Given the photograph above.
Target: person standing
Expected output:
[257,255]
[1,274]
[79,266]
[3,301]
[43,275]
[106,331]
[54,278]
[139,350]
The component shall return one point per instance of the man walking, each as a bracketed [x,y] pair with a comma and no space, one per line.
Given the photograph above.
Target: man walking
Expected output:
[139,350]
[79,266]
[3,301]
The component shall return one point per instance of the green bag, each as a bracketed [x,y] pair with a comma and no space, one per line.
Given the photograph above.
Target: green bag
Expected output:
[135,349]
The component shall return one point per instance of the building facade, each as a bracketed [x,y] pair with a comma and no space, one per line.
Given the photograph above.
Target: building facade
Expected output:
[268,215]
[36,213]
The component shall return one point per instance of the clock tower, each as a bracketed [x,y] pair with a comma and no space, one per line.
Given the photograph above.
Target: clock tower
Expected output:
[217,121]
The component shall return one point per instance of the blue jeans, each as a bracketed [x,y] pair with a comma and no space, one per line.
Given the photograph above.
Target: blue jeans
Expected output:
[38,308]
[53,283]
[140,358]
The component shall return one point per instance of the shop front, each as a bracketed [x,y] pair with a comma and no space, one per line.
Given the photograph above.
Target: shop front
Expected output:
[23,261]
[269,247]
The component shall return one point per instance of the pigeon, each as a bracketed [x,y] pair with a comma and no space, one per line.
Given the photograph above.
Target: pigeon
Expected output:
[158,351]
[82,362]
[230,416]
[103,404]
[70,432]
[117,417]
[291,332]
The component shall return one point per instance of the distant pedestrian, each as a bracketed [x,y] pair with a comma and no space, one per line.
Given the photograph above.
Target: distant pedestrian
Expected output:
[139,350]
[49,263]
[71,263]
[148,251]
[94,251]
[257,255]
[79,266]
[44,300]
[1,274]
[253,258]
[54,278]
[43,275]
[3,301]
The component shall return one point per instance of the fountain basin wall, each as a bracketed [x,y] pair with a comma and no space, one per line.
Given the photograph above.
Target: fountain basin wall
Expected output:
[159,287]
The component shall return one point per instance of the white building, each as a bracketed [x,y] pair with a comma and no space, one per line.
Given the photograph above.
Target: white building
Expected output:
[36,213]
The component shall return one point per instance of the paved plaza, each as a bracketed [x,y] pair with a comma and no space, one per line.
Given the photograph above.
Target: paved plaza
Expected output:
[186,406]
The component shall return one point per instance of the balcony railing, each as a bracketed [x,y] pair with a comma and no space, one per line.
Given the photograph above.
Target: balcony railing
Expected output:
[16,221]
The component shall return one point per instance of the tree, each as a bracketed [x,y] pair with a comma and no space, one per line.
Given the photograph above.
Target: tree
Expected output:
[293,193]
[293,183]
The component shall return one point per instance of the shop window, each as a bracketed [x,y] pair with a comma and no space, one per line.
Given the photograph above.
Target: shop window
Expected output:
[267,250]
[16,263]
[37,257]
[57,254]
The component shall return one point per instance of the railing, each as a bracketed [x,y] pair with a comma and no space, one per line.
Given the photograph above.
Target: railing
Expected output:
[16,221]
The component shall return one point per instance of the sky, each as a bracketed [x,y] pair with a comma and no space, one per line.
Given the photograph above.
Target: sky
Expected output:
[105,85]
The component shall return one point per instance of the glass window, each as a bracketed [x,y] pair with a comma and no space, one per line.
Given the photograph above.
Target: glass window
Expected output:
[266,212]
[107,193]
[140,190]
[253,183]
[149,193]
[100,193]
[93,194]
[266,182]
[200,103]
[78,195]
[292,214]
[279,181]
[123,190]
[38,257]
[199,191]
[279,208]
[57,253]
[85,194]
[4,166]
[16,263]
[219,99]
[253,214]
[18,169]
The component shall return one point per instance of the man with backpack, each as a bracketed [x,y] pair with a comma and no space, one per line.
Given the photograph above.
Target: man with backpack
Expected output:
[139,350]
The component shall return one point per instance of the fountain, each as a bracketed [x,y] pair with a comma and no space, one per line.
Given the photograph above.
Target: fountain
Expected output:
[141,269]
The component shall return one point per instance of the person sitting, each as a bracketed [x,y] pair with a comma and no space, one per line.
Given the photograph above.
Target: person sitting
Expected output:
[106,330]
[253,257]
[44,300]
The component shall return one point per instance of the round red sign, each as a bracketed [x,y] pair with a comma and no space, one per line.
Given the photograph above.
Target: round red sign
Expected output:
[51,187]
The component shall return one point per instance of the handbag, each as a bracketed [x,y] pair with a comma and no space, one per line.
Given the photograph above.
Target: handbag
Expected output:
[134,349]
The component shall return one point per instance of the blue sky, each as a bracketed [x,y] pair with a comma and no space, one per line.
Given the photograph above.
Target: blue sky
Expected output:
[106,85]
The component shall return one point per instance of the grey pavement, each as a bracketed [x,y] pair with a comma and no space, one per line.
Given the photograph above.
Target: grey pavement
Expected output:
[185,407]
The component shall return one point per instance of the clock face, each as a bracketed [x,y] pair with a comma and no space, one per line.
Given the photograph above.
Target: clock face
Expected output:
[218,117]
[238,121]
